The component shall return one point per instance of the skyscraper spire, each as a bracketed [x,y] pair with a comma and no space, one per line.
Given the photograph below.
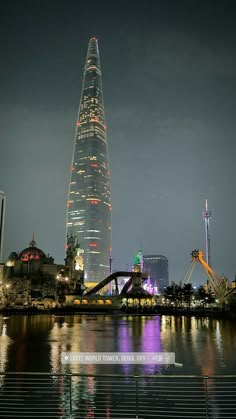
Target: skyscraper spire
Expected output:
[89,202]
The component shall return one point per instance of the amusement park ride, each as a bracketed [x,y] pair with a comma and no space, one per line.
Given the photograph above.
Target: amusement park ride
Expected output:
[217,286]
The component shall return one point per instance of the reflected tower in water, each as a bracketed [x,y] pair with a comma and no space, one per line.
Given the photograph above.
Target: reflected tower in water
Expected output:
[89,201]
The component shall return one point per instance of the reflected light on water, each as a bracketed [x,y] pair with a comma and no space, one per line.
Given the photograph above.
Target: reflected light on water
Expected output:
[5,342]
[203,346]
[35,343]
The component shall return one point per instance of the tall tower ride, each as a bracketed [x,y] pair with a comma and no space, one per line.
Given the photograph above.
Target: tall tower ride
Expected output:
[207,216]
[89,201]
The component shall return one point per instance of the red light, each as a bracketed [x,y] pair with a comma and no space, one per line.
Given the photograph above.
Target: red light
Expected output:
[108,173]
[93,244]
[78,124]
[110,208]
[105,127]
[94,165]
[72,168]
[95,202]
[68,204]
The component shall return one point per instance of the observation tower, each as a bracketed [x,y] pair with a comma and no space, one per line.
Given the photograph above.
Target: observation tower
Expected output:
[207,216]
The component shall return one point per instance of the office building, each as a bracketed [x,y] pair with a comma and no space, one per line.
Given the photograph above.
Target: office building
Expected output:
[89,201]
[156,266]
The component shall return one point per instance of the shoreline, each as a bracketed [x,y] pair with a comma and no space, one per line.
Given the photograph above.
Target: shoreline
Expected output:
[216,314]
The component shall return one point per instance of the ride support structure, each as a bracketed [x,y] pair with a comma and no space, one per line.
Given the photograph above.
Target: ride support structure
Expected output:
[218,286]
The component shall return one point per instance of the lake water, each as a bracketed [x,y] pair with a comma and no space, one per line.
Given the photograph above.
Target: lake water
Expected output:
[35,343]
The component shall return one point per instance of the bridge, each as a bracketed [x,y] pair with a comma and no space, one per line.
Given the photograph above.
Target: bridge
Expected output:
[114,277]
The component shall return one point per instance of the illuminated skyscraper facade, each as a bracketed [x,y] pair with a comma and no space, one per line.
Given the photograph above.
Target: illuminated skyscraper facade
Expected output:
[89,201]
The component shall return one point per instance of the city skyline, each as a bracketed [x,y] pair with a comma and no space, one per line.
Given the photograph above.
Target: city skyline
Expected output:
[169,86]
[89,200]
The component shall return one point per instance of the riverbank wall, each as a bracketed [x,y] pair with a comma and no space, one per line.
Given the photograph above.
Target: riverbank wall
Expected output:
[158,310]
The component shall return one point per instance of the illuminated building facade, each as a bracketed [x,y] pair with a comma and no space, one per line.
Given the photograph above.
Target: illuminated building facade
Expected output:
[156,266]
[89,201]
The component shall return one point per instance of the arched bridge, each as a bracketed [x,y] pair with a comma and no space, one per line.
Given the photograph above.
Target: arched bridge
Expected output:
[113,277]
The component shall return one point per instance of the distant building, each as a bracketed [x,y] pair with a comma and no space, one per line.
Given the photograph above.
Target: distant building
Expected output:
[31,274]
[28,272]
[156,266]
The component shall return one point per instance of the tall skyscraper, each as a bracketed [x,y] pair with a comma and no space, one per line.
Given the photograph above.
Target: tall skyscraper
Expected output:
[2,221]
[89,201]
[156,266]
[207,216]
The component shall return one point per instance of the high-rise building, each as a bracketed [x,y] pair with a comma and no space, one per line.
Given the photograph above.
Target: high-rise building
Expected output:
[2,220]
[89,201]
[156,266]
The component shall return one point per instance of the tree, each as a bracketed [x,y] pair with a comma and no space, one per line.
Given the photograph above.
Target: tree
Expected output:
[187,293]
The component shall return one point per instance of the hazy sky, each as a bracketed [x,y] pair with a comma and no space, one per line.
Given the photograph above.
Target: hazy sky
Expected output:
[169,82]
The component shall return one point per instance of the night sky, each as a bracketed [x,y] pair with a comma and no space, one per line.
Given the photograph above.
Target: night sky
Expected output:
[169,83]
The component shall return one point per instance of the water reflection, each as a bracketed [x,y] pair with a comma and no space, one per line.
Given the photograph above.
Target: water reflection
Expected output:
[5,342]
[35,343]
